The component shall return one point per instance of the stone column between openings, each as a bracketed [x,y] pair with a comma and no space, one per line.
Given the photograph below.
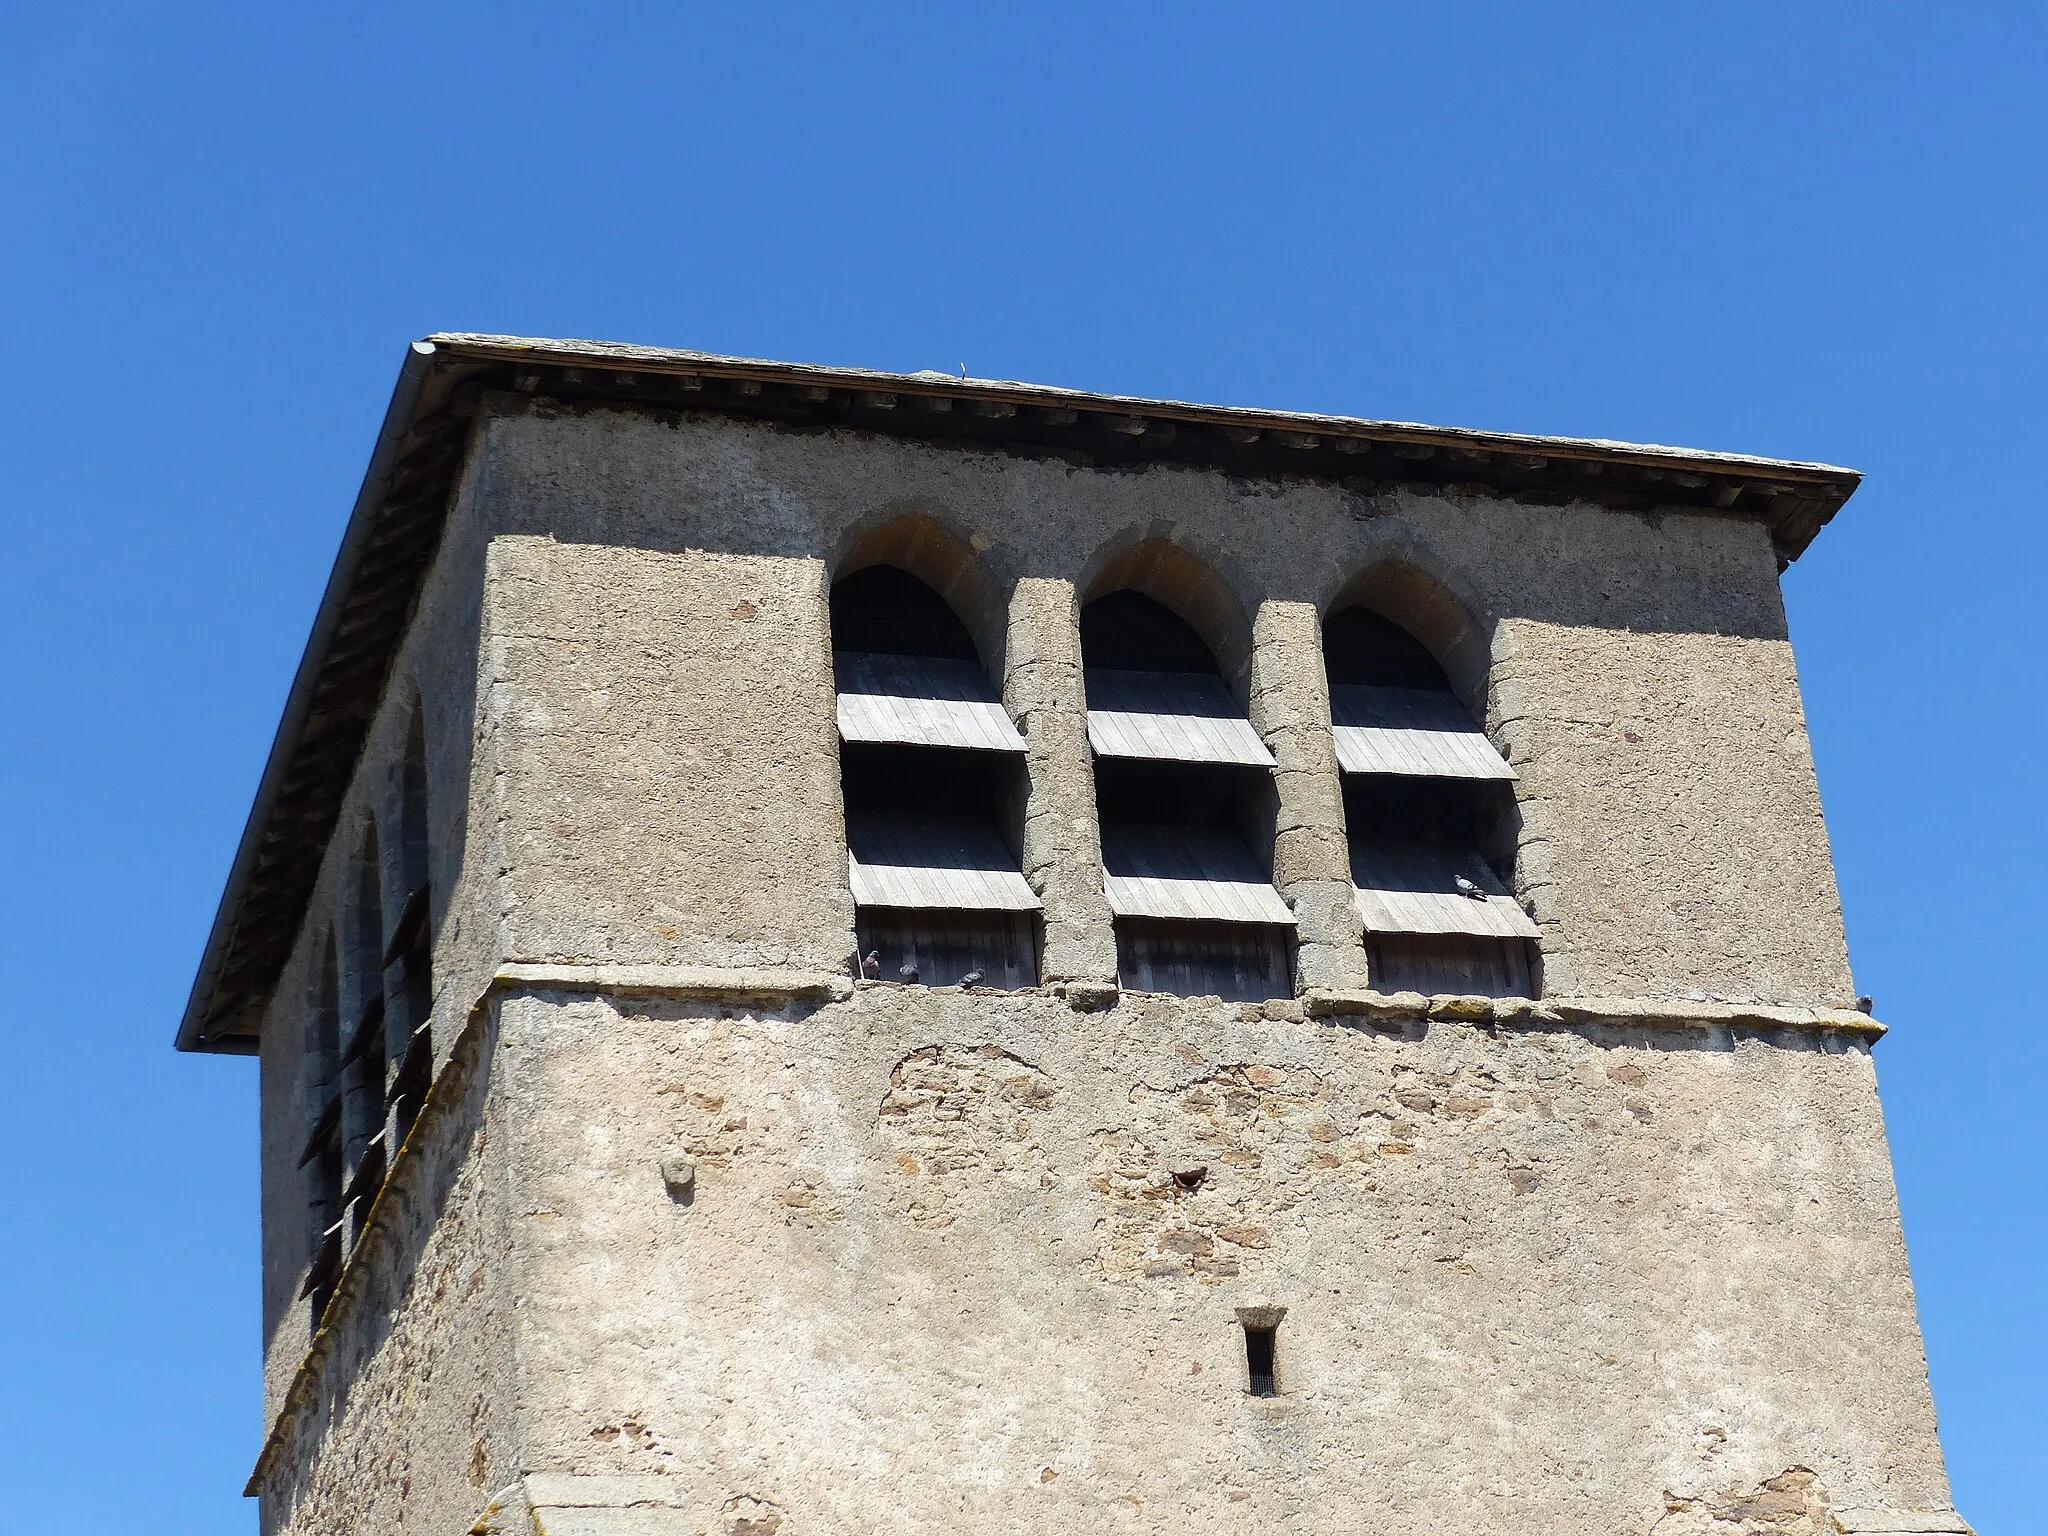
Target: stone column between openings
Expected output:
[1062,851]
[1290,707]
[1517,726]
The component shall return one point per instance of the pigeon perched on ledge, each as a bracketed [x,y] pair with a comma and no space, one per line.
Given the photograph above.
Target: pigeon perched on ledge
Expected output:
[871,964]
[1467,888]
[971,979]
[908,972]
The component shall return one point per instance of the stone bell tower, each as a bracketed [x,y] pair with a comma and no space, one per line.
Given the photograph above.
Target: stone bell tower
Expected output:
[838,952]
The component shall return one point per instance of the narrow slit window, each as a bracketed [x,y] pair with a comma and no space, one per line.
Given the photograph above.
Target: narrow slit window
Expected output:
[1260,1348]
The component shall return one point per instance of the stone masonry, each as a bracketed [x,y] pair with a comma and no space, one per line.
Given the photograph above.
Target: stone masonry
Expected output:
[696,1232]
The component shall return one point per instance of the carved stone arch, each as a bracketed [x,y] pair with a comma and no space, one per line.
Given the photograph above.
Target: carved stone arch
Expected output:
[1177,571]
[920,541]
[1399,588]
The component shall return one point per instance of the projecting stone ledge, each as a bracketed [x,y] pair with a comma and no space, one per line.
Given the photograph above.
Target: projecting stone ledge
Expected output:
[735,982]
[1640,1012]
[1901,1522]
[597,1505]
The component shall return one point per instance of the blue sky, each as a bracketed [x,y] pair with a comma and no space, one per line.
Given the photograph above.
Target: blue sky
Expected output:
[1814,231]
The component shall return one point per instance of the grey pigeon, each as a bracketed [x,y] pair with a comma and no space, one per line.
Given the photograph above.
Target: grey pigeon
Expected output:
[1467,888]
[971,979]
[871,964]
[907,971]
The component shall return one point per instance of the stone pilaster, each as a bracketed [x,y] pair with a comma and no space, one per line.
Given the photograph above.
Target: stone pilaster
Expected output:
[1062,845]
[1290,706]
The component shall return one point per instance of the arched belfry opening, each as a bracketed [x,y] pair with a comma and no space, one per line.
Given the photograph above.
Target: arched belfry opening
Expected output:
[1428,808]
[1184,794]
[931,773]
[376,979]
[365,1154]
[408,954]
[320,1160]
[886,611]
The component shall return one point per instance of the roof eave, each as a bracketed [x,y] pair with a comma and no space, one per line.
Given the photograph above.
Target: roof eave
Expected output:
[192,1033]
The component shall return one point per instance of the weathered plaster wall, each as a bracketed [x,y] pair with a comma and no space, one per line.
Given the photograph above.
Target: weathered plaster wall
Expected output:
[1535,1279]
[412,1419]
[668,737]
[1668,796]
[1597,627]
[935,1271]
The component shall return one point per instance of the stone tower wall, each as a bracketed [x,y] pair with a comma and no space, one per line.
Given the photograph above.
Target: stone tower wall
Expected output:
[1541,1265]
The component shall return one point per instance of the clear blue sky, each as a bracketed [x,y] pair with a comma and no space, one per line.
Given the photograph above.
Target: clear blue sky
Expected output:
[1814,231]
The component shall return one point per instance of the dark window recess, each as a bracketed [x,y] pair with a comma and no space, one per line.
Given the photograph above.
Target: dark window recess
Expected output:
[1162,820]
[322,1156]
[1221,796]
[1260,1348]
[363,1065]
[324,1271]
[884,778]
[1227,808]
[1360,647]
[918,816]
[411,944]
[363,1079]
[366,1040]
[1456,813]
[364,1180]
[940,945]
[942,948]
[1461,964]
[409,971]
[1465,818]
[890,612]
[415,1053]
[409,933]
[410,1082]
[1238,962]
[1128,632]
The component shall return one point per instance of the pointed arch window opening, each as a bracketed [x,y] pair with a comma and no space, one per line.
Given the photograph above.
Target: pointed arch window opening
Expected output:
[320,1161]
[364,1053]
[931,776]
[1185,801]
[1427,799]
[379,1071]
[408,954]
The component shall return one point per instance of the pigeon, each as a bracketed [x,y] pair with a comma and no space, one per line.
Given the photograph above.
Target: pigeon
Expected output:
[971,979]
[1467,888]
[871,964]
[907,971]
[1865,1005]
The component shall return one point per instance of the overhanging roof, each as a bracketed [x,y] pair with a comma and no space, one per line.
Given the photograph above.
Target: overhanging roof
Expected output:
[398,515]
